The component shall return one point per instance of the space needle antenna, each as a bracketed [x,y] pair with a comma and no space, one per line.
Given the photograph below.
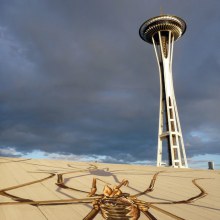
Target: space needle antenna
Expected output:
[161,10]
[162,31]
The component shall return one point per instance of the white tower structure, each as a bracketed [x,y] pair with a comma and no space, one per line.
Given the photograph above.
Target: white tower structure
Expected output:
[162,31]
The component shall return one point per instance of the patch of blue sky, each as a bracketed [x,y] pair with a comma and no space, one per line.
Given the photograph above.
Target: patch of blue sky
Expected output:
[36,154]
[201,161]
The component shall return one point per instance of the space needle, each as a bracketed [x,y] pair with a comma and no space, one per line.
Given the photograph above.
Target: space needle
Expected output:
[162,31]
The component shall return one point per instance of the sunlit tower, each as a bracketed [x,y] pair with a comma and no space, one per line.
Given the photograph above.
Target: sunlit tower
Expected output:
[162,31]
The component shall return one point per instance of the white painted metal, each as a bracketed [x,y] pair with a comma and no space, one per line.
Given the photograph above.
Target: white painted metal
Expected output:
[162,31]
[169,124]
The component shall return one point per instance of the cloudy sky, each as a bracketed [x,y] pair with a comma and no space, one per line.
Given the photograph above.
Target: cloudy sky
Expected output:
[77,82]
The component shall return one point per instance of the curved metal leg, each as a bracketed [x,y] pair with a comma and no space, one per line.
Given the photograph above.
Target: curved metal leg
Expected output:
[92,214]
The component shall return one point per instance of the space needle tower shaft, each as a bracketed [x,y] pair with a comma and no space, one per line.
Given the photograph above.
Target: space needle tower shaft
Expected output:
[162,31]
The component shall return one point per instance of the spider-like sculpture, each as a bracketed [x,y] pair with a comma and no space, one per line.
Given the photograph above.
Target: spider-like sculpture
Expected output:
[114,204]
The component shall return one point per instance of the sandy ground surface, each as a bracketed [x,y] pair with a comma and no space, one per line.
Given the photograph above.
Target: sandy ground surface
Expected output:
[52,189]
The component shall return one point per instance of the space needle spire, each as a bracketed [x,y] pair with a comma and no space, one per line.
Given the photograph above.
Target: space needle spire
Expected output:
[162,31]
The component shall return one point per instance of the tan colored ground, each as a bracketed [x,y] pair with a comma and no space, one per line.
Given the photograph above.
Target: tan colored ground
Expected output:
[29,190]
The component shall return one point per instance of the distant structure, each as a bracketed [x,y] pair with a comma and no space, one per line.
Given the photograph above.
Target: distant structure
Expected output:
[211,165]
[162,31]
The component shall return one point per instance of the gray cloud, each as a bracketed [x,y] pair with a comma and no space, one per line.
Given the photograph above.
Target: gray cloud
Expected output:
[76,78]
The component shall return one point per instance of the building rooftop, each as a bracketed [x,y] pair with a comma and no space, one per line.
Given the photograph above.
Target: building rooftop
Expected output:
[52,189]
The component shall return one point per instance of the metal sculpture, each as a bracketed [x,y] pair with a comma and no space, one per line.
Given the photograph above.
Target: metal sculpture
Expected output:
[114,204]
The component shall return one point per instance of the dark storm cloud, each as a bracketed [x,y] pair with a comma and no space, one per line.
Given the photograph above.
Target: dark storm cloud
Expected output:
[77,79]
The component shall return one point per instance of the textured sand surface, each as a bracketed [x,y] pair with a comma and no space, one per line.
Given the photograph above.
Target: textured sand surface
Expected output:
[52,189]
